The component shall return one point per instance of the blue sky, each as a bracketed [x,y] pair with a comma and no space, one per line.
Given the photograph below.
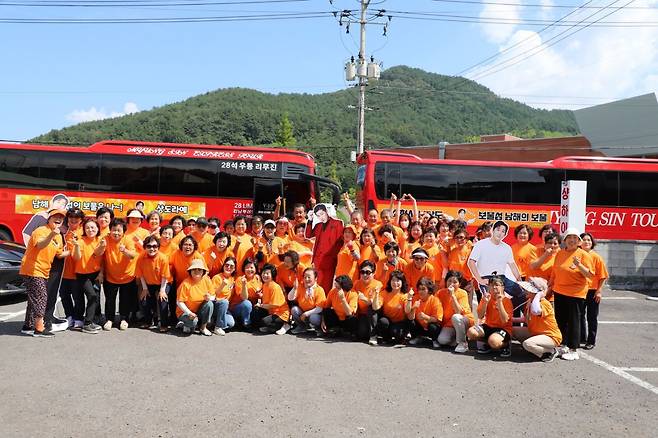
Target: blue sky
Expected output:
[53,75]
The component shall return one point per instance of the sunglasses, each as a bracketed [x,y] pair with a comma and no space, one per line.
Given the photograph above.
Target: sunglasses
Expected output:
[151,246]
[213,226]
[366,271]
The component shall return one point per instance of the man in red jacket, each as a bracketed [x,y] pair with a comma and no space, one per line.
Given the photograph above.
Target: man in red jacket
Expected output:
[328,233]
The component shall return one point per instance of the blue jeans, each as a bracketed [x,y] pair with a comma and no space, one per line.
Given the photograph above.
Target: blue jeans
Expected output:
[153,308]
[223,318]
[242,313]
[314,320]
[203,316]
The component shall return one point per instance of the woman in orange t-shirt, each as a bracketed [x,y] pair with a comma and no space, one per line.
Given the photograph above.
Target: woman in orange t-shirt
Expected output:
[524,251]
[301,245]
[495,314]
[365,287]
[289,271]
[216,254]
[271,312]
[87,253]
[426,314]
[154,279]
[415,240]
[569,282]
[589,320]
[339,314]
[309,298]
[542,266]
[349,254]
[457,315]
[134,229]
[224,288]
[178,224]
[392,262]
[117,275]
[194,299]
[246,292]
[394,306]
[67,290]
[154,219]
[167,245]
[44,245]
[104,216]
[368,246]
[182,258]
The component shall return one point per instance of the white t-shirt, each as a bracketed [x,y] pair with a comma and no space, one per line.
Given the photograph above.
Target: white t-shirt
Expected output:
[491,258]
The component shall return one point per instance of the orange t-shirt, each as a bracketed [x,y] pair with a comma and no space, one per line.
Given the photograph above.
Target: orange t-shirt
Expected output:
[409,248]
[37,262]
[226,292]
[567,278]
[393,305]
[88,262]
[117,266]
[305,251]
[286,277]
[153,269]
[346,264]
[310,301]
[193,295]
[383,275]
[104,232]
[430,307]
[492,317]
[243,249]
[458,260]
[334,302]
[253,286]
[446,302]
[168,249]
[523,256]
[203,240]
[546,269]
[374,254]
[273,294]
[180,262]
[413,274]
[137,236]
[545,323]
[600,271]
[215,259]
[69,262]
[177,238]
[368,290]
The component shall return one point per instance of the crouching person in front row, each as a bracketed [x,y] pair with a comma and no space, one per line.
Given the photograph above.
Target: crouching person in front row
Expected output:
[310,298]
[155,279]
[271,312]
[495,315]
[426,314]
[339,314]
[194,299]
[541,335]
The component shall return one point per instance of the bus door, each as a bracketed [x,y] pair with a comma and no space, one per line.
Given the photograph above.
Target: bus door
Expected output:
[265,193]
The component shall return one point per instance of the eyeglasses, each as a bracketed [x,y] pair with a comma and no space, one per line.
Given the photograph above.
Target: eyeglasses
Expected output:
[366,271]
[151,246]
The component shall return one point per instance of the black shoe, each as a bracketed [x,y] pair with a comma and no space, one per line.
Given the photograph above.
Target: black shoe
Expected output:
[485,349]
[91,328]
[43,334]
[588,347]
[548,357]
[506,352]
[56,320]
[27,330]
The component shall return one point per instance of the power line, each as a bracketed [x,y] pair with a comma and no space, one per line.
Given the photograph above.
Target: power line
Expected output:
[137,3]
[524,5]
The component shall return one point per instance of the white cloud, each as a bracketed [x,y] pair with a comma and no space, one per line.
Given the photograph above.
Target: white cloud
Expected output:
[594,66]
[498,33]
[91,114]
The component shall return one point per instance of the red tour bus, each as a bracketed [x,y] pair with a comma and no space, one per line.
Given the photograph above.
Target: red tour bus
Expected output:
[185,179]
[622,193]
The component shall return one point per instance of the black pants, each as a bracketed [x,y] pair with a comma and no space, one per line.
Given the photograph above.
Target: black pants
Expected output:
[54,283]
[331,320]
[171,295]
[87,289]
[432,331]
[392,331]
[127,299]
[261,318]
[365,325]
[589,320]
[568,311]
[154,309]
[66,292]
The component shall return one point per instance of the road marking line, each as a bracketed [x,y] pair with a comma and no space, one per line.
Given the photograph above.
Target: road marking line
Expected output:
[618,298]
[628,322]
[639,369]
[12,315]
[620,372]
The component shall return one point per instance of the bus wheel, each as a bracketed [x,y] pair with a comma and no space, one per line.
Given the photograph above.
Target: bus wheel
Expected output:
[5,235]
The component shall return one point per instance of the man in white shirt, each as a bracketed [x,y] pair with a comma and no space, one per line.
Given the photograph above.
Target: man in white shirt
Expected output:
[491,257]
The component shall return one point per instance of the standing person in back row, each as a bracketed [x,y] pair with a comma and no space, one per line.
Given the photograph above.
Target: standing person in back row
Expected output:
[491,257]
[328,233]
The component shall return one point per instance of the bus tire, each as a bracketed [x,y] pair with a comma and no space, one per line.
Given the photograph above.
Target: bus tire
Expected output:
[5,234]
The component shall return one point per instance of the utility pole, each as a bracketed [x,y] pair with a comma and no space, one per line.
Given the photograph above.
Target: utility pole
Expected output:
[362,78]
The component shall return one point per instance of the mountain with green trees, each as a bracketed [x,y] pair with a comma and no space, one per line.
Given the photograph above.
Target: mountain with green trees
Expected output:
[406,107]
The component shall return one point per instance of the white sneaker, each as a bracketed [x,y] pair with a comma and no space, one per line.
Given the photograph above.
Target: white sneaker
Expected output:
[70,322]
[107,326]
[563,349]
[283,330]
[219,332]
[123,325]
[462,347]
[180,324]
[436,345]
[206,332]
[373,341]
[571,355]
[55,327]
[187,330]
[415,341]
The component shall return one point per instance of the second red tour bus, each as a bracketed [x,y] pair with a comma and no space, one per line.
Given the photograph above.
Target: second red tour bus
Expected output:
[185,179]
[622,193]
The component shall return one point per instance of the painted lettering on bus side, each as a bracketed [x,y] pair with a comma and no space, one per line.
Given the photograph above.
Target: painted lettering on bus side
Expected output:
[213,154]
[139,150]
[645,219]
[250,156]
[611,219]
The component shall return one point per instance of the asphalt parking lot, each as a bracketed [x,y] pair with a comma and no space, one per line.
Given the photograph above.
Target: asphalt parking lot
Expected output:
[141,383]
